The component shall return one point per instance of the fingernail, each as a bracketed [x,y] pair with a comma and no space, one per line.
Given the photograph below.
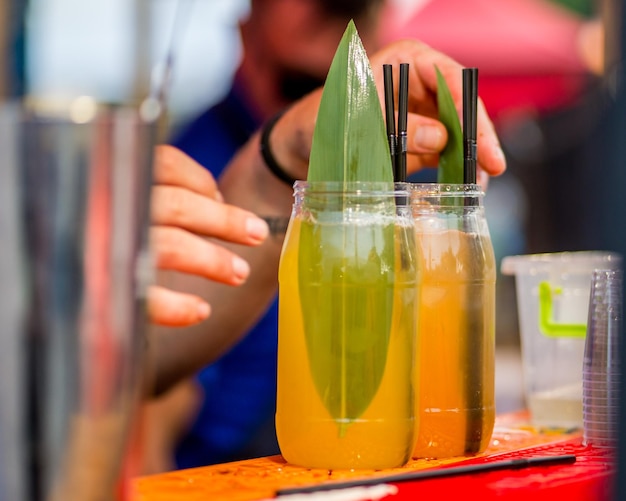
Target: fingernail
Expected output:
[428,137]
[257,228]
[203,310]
[240,268]
[219,197]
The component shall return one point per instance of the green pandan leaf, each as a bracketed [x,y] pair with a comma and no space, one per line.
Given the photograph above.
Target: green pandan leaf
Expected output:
[349,141]
[451,159]
[346,277]
[347,292]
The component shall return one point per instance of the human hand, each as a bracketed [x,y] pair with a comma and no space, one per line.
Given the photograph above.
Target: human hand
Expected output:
[291,137]
[186,207]
[426,135]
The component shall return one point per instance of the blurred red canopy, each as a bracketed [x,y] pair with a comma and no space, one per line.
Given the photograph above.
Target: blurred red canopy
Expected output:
[526,50]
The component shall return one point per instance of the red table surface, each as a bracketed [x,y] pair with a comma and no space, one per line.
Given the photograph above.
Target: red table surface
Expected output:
[590,478]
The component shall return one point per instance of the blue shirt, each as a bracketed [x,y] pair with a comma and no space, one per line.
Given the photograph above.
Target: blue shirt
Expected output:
[236,419]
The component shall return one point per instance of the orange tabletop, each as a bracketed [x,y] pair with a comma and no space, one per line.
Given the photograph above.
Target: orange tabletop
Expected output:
[260,478]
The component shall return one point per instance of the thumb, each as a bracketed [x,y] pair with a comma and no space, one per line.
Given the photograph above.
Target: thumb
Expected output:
[425,135]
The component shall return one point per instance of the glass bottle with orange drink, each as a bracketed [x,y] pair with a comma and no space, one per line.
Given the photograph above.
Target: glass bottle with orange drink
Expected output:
[455,369]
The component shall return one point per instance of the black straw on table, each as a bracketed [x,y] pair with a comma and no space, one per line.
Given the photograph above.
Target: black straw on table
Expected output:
[390,116]
[470,99]
[505,464]
[403,109]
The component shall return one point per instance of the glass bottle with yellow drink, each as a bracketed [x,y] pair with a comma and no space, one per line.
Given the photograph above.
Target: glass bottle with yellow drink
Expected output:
[347,326]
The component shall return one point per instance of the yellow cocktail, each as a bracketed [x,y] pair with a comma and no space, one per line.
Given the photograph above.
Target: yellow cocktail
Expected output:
[346,340]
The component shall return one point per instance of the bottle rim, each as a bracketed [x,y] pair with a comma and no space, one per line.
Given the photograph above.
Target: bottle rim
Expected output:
[351,190]
[391,188]
[444,190]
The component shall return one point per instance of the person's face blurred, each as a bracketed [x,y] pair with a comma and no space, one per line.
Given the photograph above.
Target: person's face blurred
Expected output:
[299,41]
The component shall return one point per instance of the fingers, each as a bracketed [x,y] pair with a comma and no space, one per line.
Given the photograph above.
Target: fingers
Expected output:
[182,208]
[175,309]
[423,99]
[426,138]
[425,135]
[176,249]
[174,168]
[185,204]
[490,155]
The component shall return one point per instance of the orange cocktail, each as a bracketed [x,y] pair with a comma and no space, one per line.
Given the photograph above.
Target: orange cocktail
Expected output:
[455,370]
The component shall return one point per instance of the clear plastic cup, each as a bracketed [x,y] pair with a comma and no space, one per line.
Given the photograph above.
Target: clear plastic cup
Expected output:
[553,304]
[601,362]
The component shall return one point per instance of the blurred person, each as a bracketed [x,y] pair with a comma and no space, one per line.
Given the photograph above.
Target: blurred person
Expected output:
[288,46]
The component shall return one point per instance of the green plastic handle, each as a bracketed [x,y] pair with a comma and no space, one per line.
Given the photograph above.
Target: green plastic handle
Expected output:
[547,325]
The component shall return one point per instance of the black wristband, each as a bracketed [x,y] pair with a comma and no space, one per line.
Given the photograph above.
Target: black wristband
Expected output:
[277,224]
[267,155]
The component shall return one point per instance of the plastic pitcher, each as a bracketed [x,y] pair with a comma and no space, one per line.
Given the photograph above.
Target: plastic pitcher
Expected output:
[553,302]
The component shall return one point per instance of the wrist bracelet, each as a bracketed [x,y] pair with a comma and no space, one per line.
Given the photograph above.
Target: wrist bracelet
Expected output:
[267,155]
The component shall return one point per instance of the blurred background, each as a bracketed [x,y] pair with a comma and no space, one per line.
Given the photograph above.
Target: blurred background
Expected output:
[549,76]
[60,44]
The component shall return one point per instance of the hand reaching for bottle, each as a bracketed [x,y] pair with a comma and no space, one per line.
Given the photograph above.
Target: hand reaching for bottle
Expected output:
[186,209]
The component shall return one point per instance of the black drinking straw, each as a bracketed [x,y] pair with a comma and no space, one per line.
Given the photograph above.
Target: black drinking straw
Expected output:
[390,117]
[403,104]
[470,99]
[504,464]
[475,323]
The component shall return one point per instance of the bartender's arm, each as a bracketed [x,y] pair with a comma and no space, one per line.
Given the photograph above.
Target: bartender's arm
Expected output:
[189,202]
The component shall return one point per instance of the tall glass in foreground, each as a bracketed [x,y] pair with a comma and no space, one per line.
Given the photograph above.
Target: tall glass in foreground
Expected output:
[74,196]
[455,369]
[347,324]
